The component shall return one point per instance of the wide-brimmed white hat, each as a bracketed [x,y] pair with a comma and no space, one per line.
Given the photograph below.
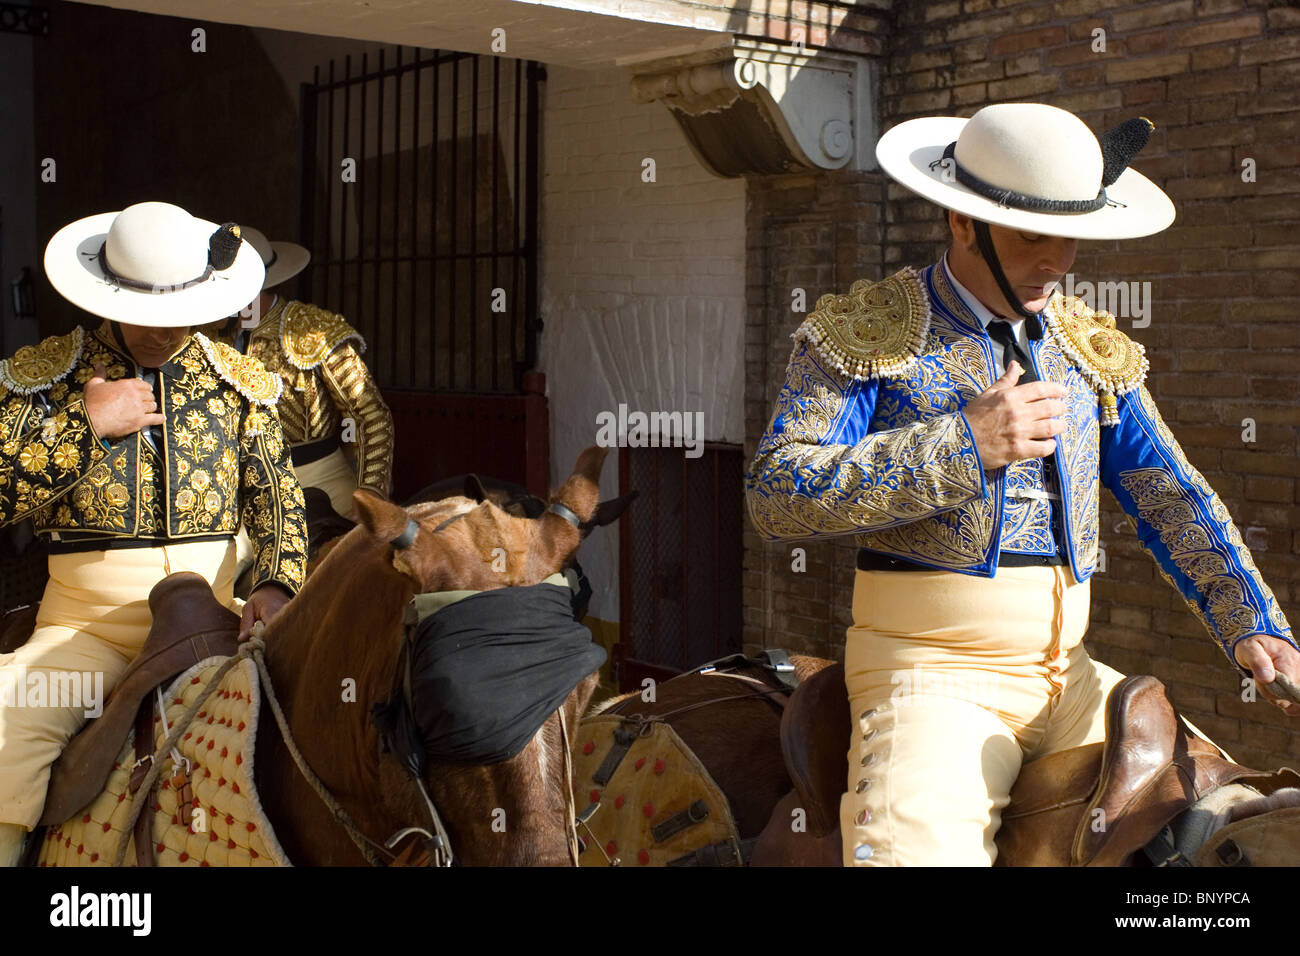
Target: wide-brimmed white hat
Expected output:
[283,260]
[154,264]
[1032,167]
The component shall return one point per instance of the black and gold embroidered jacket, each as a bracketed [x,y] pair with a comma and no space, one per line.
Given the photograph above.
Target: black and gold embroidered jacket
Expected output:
[317,355]
[221,455]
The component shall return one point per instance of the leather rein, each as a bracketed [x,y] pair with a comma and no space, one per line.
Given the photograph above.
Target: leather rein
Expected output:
[775,662]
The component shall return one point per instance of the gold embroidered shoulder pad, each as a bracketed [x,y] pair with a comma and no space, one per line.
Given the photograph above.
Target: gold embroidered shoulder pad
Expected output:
[35,368]
[877,330]
[1109,360]
[309,334]
[247,374]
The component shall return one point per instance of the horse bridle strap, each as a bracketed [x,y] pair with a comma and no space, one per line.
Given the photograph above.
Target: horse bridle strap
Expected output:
[565,512]
[438,843]
[408,535]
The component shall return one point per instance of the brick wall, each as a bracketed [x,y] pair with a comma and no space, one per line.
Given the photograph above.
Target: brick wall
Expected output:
[1218,78]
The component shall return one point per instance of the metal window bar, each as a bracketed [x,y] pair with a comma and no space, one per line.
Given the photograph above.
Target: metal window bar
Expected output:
[421,290]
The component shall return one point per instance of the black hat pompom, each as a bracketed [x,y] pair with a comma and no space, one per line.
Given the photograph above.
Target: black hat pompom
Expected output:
[1121,144]
[223,246]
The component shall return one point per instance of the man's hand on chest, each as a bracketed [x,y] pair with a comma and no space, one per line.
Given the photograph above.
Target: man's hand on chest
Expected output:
[120,407]
[1010,422]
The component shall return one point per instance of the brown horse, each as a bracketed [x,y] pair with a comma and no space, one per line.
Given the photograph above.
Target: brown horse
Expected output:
[778,759]
[346,626]
[734,730]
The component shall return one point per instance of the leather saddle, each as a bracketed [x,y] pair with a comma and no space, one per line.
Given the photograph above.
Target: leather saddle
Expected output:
[189,625]
[1094,805]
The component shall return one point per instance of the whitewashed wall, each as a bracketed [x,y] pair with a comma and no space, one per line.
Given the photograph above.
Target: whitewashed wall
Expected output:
[642,284]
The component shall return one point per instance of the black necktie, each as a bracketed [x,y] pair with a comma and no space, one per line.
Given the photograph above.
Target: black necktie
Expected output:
[153,433]
[1002,333]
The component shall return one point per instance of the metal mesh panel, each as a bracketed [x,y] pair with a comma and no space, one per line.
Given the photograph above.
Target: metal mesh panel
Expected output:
[682,602]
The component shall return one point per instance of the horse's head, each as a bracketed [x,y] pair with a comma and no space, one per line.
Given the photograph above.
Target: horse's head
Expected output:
[513,811]
[473,543]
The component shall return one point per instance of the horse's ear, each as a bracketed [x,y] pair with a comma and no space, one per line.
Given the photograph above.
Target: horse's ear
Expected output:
[581,492]
[609,511]
[383,519]
[590,461]
[474,489]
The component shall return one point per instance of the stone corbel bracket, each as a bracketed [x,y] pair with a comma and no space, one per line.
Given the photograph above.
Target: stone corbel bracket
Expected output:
[758,107]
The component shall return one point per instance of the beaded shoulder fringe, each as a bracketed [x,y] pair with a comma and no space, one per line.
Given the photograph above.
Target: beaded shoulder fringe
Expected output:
[899,303]
[1109,383]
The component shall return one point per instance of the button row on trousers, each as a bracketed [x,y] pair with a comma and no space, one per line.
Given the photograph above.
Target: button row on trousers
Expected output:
[863,851]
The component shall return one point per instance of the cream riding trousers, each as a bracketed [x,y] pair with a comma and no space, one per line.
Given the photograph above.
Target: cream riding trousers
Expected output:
[954,681]
[332,475]
[93,620]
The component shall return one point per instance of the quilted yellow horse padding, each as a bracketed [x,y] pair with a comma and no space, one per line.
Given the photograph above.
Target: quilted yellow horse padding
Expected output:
[658,778]
[228,826]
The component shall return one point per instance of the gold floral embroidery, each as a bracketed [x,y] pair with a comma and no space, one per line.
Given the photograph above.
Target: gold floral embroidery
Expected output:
[34,367]
[317,356]
[796,480]
[1078,453]
[1078,448]
[798,487]
[34,457]
[49,454]
[352,393]
[1218,512]
[152,520]
[33,473]
[66,457]
[1172,512]
[248,375]
[309,333]
[1109,360]
[1026,522]
[877,330]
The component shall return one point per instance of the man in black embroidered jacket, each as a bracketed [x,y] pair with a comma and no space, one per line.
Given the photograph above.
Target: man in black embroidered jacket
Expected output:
[136,447]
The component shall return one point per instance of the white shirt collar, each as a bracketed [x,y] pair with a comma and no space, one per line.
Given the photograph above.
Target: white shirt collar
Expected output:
[978,308]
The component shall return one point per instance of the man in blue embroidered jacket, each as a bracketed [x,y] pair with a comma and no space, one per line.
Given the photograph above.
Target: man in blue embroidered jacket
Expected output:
[960,421]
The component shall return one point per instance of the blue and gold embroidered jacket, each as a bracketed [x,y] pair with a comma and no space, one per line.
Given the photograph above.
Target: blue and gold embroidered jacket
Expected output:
[869,439]
[221,458]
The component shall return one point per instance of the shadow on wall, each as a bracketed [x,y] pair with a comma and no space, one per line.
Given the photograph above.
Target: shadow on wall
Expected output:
[130,112]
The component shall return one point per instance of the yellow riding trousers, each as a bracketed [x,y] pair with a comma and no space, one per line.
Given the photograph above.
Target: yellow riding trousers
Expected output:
[954,682]
[332,475]
[93,620]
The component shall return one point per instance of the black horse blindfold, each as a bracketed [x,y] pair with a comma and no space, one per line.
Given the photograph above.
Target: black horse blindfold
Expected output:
[480,676]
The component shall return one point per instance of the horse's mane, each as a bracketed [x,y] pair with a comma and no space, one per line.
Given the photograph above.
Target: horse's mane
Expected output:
[347,608]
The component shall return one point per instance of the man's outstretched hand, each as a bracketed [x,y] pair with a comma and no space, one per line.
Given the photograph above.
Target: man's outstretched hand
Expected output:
[262,605]
[1264,656]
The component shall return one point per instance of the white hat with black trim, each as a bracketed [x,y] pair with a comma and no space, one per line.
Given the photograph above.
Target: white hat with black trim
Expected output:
[283,260]
[1031,167]
[154,264]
